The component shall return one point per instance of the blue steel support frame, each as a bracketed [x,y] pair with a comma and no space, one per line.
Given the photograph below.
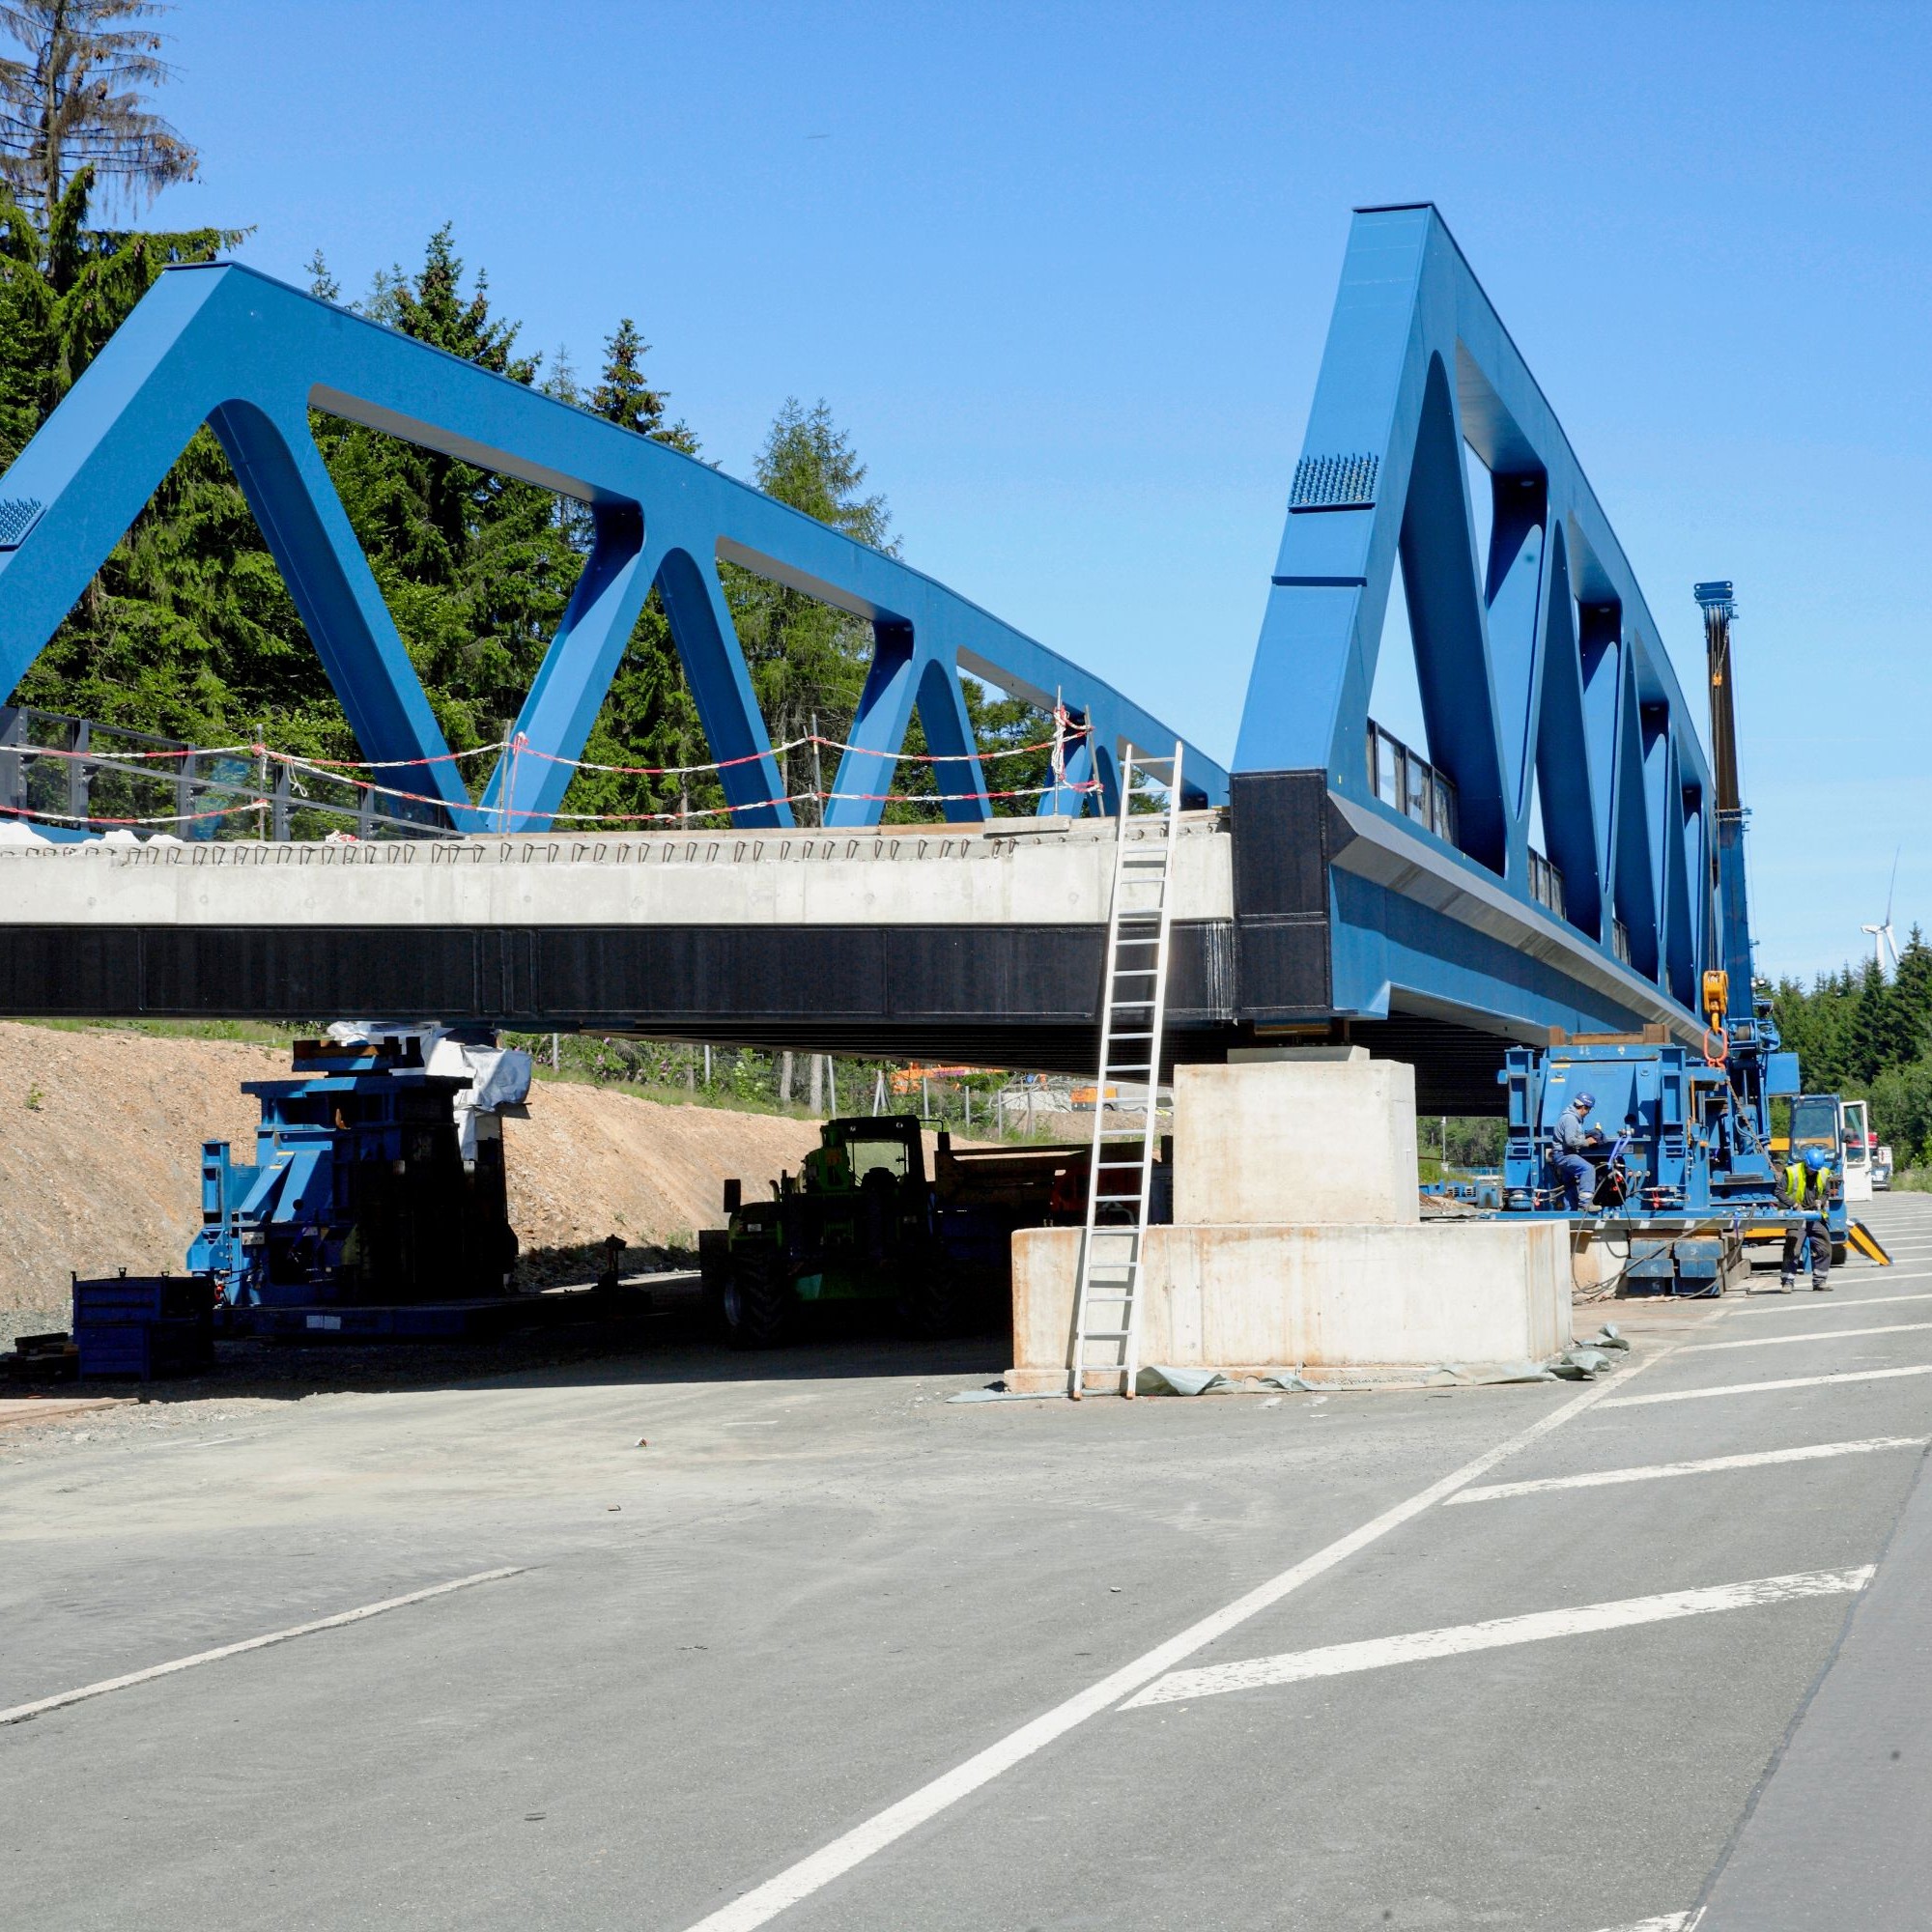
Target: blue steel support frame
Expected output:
[250,358]
[1538,666]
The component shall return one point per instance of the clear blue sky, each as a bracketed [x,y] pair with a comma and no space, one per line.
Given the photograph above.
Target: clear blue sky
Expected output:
[1064,272]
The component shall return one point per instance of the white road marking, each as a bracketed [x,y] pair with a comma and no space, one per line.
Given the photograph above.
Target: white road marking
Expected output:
[1341,1660]
[1811,1335]
[19,1713]
[1757,1388]
[1652,1471]
[761,1905]
[1671,1921]
[1805,1298]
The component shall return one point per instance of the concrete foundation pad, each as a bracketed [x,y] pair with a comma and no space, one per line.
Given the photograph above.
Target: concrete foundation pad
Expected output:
[1254,1299]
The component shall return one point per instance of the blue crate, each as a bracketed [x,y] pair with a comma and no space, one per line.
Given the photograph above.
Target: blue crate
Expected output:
[144,1326]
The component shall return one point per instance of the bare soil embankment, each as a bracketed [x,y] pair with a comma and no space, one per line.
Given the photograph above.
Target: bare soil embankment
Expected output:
[101,1137]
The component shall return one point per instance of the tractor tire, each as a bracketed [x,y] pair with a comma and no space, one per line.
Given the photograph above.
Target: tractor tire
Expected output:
[756,1308]
[933,1302]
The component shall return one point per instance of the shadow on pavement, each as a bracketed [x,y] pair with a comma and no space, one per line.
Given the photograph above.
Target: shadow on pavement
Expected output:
[671,1343]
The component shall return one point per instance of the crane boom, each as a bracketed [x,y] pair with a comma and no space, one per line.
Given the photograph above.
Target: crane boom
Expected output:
[1720,608]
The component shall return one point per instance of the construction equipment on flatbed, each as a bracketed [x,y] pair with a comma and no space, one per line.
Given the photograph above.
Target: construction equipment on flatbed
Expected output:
[1689,1174]
[862,1222]
[375,1203]
[375,1206]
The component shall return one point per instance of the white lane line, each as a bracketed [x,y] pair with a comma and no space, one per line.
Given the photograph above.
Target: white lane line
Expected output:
[761,1905]
[1800,1297]
[1757,1388]
[1341,1660]
[21,1712]
[1654,1472]
[1671,1921]
[1810,1335]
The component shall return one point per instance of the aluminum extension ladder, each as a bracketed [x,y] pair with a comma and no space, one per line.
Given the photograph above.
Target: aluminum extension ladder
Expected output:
[1113,1245]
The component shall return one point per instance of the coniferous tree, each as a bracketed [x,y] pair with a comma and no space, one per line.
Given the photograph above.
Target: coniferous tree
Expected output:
[808,660]
[77,100]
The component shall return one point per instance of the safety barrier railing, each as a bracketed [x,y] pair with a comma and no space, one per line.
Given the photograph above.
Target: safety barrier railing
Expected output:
[1412,784]
[74,774]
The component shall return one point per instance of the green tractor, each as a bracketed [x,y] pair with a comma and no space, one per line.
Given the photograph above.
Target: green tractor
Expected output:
[859,1223]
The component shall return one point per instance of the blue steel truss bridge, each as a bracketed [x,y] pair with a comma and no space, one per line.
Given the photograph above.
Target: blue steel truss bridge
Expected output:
[1333,882]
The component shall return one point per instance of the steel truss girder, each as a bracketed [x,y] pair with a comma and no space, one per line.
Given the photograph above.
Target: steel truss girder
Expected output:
[1540,661]
[250,358]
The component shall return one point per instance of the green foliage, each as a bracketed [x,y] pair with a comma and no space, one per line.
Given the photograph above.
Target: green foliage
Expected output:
[808,660]
[1859,1033]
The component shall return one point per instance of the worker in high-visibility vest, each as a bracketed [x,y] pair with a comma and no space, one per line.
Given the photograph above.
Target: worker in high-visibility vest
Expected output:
[1808,1191]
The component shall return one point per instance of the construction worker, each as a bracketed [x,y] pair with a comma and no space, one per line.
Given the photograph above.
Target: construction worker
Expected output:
[1807,1189]
[1569,1136]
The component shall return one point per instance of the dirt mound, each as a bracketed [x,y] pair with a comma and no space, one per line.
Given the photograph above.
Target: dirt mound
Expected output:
[101,1135]
[592,1161]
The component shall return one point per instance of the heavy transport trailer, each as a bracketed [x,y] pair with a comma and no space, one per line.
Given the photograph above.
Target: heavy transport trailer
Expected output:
[374,1204]
[376,1183]
[1688,1171]
[863,1223]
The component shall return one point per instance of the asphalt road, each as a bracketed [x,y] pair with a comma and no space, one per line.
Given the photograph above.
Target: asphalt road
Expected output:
[821,1590]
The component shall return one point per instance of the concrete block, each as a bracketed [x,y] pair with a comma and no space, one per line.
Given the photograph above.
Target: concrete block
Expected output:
[1289,1142]
[1595,1264]
[1258,1299]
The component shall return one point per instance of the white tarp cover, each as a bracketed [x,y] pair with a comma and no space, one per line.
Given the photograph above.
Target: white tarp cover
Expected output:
[499,1076]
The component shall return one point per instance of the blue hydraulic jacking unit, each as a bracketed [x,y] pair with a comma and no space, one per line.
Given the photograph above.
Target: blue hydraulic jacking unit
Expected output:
[359,1214]
[1685,1169]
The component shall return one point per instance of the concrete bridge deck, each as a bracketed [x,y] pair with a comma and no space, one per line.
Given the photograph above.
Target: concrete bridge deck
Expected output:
[974,942]
[1025,872]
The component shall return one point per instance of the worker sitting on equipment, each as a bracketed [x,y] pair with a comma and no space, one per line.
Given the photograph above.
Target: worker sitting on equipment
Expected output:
[1567,1138]
[1808,1188]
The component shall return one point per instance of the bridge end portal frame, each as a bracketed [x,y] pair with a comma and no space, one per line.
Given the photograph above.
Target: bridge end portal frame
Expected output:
[1397,894]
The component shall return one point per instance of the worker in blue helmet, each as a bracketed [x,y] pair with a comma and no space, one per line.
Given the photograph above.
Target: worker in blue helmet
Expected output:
[1807,1193]
[1569,1135]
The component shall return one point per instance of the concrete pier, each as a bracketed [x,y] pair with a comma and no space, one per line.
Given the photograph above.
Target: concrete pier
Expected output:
[1298,1241]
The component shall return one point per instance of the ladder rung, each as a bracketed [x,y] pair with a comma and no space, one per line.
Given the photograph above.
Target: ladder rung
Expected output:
[1106,1334]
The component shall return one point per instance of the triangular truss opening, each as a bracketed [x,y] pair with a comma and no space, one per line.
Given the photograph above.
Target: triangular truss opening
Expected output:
[1395,699]
[1481,486]
[433,531]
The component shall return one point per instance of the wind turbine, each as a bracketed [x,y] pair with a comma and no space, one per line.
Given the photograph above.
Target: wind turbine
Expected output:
[1881,935]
